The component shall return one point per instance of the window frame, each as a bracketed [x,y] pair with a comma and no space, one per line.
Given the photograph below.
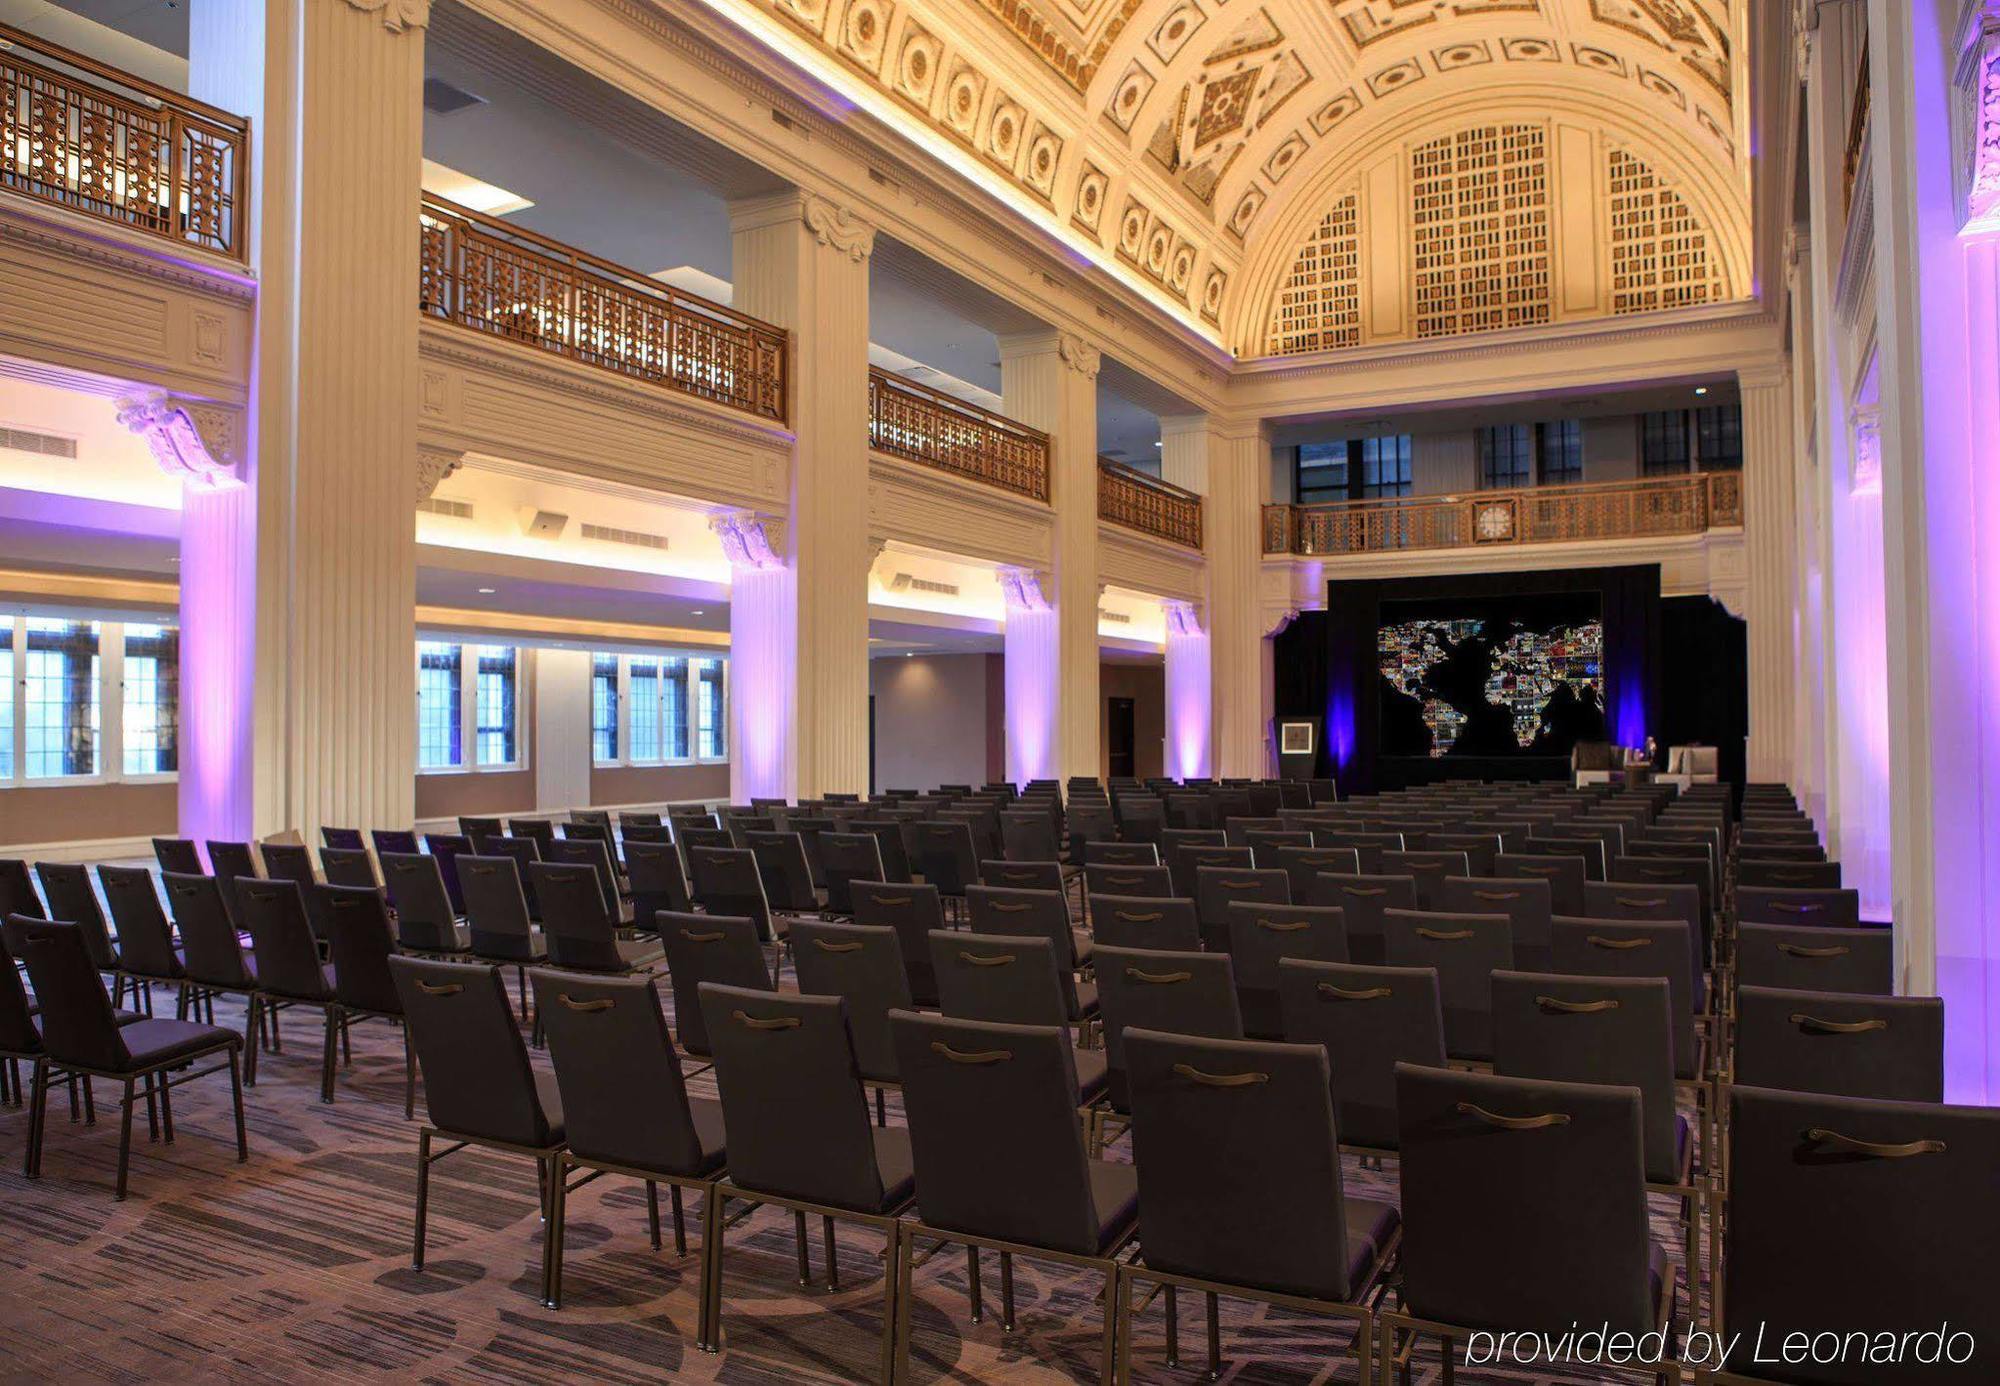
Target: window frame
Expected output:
[1648,469]
[110,751]
[1355,483]
[1556,436]
[1522,447]
[468,706]
[687,674]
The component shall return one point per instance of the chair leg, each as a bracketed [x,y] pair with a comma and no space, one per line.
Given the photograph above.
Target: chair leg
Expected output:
[680,1224]
[409,1077]
[1173,1326]
[346,1046]
[972,1286]
[152,1107]
[89,1105]
[881,1108]
[165,1090]
[799,1234]
[38,1107]
[423,1197]
[900,1368]
[552,1237]
[711,1246]
[1110,1352]
[1214,1337]
[1007,1292]
[653,1212]
[236,1097]
[124,1139]
[328,1056]
[252,1035]
[832,1258]
[1123,1370]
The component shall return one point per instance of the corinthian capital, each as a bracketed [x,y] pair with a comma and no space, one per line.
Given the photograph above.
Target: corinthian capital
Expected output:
[838,226]
[1026,589]
[1079,355]
[1183,618]
[195,440]
[397,15]
[749,540]
[433,466]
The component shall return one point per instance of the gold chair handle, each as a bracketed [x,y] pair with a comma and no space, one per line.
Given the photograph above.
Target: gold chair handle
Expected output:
[1798,909]
[447,989]
[1343,994]
[588,1007]
[986,959]
[1364,892]
[1543,870]
[1600,941]
[1555,1005]
[826,947]
[1507,1123]
[1284,926]
[1125,880]
[1880,1150]
[1123,917]
[776,1022]
[888,901]
[1800,951]
[1237,885]
[1157,978]
[982,1056]
[1800,876]
[1814,1025]
[1445,936]
[1639,904]
[692,937]
[999,907]
[1220,1080]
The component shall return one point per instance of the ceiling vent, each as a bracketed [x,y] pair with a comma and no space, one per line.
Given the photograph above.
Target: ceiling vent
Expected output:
[636,538]
[46,444]
[442,98]
[910,582]
[1117,618]
[457,510]
[543,524]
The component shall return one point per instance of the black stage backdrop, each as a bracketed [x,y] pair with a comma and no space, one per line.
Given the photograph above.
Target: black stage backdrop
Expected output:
[1325,664]
[1705,681]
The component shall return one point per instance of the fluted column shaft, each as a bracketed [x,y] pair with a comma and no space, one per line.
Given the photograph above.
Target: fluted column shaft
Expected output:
[1770,541]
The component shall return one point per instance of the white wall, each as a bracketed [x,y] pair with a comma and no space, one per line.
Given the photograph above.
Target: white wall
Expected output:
[1611,448]
[930,720]
[1441,463]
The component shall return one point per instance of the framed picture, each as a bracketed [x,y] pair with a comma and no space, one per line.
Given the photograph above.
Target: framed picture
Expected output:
[1295,738]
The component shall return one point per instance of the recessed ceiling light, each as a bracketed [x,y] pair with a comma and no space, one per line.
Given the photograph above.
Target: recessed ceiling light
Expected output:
[908,653]
[487,591]
[1701,389]
[1159,445]
[696,612]
[468,191]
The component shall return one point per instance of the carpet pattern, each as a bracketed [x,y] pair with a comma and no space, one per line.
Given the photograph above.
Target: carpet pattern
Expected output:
[296,1266]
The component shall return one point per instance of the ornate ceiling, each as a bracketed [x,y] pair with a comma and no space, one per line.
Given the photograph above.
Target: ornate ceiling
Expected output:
[1194,146]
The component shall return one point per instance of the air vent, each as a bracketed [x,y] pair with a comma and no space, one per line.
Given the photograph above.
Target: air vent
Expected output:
[47,444]
[780,118]
[458,510]
[543,524]
[636,538]
[443,98]
[910,582]
[1117,618]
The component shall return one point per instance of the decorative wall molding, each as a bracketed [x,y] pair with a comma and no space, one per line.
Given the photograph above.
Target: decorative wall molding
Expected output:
[397,15]
[1184,618]
[835,225]
[1079,355]
[1026,589]
[1976,118]
[196,440]
[749,540]
[1865,452]
[912,504]
[433,466]
[1141,563]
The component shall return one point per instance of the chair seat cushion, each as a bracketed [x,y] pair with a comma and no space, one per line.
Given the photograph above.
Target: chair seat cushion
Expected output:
[1092,1068]
[897,1164]
[509,948]
[153,1042]
[1371,1222]
[324,994]
[1114,1193]
[640,953]
[550,1097]
[1086,1001]
[1080,941]
[707,1116]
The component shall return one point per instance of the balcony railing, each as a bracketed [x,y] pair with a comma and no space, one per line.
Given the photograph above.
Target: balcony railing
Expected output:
[79,134]
[908,420]
[1537,515]
[482,273]
[1145,503]
[1857,135]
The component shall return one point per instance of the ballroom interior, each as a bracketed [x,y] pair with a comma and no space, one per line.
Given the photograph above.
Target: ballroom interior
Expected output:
[1134,690]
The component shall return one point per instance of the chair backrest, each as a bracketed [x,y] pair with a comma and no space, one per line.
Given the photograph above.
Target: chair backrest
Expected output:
[1129,880]
[1858,961]
[797,1117]
[17,890]
[1363,902]
[77,1023]
[1041,913]
[1907,1185]
[1637,948]
[346,839]
[393,840]
[1186,859]
[709,948]
[289,861]
[445,850]
[591,851]
[912,911]
[496,907]
[726,881]
[1216,888]
[231,862]
[1260,935]
[1097,852]
[1304,865]
[1009,979]
[178,855]
[992,1113]
[1887,1047]
[540,831]
[847,857]
[281,939]
[348,866]
[67,885]
[1023,874]
[623,1098]
[1555,842]
[889,840]
[1182,993]
[425,919]
[1429,870]
[1277,1222]
[1595,1030]
[1480,848]
[578,929]
[1028,835]
[1763,873]
[1563,873]
[1807,909]
[1466,950]
[213,957]
[864,965]
[781,864]
[18,1032]
[1368,847]
[145,942]
[476,828]
[658,880]
[476,1076]
[1140,921]
[946,856]
[1662,871]
[1634,901]
[1524,1203]
[354,921]
[1525,903]
[1369,1019]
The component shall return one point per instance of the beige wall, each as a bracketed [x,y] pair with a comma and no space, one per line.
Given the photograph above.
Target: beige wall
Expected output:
[932,722]
[658,784]
[87,812]
[485,793]
[1146,686]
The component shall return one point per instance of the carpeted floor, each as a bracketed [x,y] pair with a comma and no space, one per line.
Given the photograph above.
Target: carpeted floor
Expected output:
[296,1266]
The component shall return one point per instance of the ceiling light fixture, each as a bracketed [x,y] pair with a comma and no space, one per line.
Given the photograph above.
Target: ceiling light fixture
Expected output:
[696,612]
[468,191]
[1701,389]
[487,591]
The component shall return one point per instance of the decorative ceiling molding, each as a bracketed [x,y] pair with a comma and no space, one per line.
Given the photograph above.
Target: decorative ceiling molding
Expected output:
[1976,118]
[749,540]
[397,15]
[1183,618]
[433,466]
[837,226]
[1079,355]
[1026,589]
[196,440]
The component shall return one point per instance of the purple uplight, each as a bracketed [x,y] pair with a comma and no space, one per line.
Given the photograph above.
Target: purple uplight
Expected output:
[1032,691]
[1189,700]
[218,662]
[763,682]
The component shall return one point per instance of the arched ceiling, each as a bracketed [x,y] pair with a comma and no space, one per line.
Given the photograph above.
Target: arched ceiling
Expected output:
[1191,145]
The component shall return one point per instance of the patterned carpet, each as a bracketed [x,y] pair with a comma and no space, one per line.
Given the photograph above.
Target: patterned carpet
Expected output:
[296,1267]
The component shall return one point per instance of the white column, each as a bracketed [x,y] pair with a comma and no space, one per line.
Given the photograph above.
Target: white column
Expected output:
[333,88]
[1190,695]
[1031,673]
[1048,380]
[798,608]
[1769,541]
[562,727]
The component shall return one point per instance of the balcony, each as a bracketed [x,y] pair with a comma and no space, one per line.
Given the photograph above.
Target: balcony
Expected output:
[1145,503]
[482,273]
[1660,508]
[81,135]
[1857,138]
[921,425]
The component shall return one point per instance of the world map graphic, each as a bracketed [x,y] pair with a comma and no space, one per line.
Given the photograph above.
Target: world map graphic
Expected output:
[1508,686]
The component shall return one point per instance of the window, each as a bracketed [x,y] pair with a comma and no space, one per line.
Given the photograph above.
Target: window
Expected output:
[1506,456]
[604,709]
[1663,442]
[674,708]
[499,702]
[151,702]
[1357,469]
[439,694]
[1718,437]
[1560,445]
[62,709]
[7,709]
[712,736]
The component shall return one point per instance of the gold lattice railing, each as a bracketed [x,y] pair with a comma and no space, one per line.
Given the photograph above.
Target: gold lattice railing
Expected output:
[1145,503]
[1534,515]
[482,273]
[908,420]
[80,134]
